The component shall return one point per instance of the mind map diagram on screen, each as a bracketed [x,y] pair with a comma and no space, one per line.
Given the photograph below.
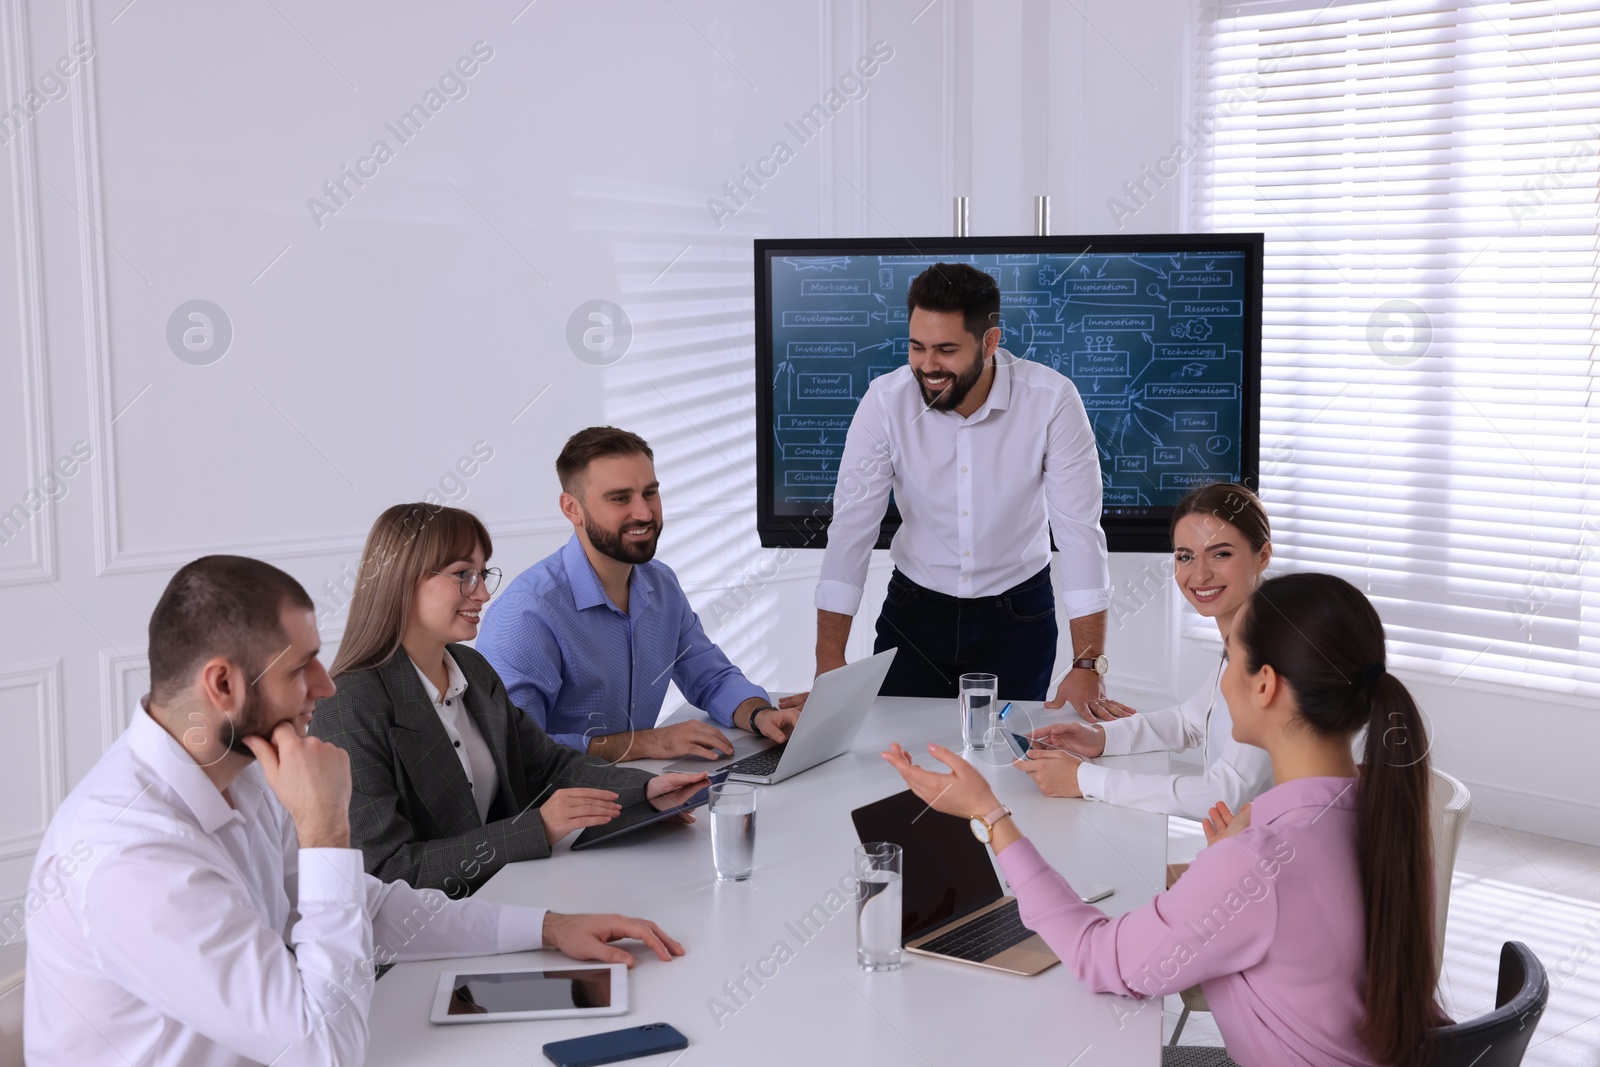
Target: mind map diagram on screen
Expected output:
[1153,342]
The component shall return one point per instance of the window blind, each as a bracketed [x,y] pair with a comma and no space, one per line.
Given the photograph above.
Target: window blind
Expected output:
[1425,175]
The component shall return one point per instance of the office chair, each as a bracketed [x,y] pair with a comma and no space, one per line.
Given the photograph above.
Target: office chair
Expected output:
[1500,1037]
[1450,805]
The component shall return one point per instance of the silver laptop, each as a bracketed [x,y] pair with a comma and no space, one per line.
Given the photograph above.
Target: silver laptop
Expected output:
[834,712]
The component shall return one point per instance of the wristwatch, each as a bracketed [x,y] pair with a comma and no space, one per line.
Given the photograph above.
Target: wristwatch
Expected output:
[1098,664]
[983,825]
[757,711]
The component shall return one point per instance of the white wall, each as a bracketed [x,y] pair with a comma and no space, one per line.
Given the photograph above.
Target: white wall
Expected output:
[375,346]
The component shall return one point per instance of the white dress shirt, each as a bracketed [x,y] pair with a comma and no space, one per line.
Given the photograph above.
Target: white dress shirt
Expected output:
[178,930]
[473,751]
[975,493]
[1234,771]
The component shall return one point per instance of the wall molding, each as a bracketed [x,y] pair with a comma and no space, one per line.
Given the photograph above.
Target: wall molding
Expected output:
[116,709]
[1154,670]
[114,706]
[92,283]
[862,160]
[825,155]
[347,544]
[13,915]
[111,556]
[956,107]
[1538,813]
[41,563]
[351,544]
[45,679]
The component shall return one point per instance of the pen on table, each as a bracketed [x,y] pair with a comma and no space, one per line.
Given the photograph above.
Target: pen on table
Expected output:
[1004,710]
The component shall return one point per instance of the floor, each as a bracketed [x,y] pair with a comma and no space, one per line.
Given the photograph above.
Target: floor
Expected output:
[1508,886]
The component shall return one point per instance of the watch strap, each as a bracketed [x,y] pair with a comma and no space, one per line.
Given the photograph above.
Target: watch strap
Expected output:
[757,711]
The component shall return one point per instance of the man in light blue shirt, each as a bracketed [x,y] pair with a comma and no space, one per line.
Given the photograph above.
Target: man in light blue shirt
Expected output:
[588,638]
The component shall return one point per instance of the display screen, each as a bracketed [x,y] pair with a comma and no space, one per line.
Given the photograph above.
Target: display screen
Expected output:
[945,871]
[1161,336]
[515,991]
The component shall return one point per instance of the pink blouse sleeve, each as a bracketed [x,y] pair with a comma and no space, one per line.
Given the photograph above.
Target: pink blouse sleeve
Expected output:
[1218,919]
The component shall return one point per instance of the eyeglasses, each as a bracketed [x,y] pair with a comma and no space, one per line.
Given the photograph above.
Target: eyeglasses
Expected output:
[469,579]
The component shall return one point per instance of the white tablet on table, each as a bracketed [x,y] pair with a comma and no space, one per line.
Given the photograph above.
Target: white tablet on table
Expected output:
[560,991]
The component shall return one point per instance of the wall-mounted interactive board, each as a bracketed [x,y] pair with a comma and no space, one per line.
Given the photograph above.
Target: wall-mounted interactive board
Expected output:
[1160,334]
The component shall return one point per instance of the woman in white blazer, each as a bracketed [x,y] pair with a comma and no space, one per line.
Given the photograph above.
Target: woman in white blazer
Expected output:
[1221,544]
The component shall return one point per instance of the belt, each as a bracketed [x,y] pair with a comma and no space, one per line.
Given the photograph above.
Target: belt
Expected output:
[973,601]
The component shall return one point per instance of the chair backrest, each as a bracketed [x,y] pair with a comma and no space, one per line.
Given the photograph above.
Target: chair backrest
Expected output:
[1448,808]
[1500,1037]
[11,1020]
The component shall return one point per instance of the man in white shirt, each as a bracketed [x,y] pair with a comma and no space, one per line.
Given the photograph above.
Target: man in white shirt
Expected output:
[201,901]
[987,455]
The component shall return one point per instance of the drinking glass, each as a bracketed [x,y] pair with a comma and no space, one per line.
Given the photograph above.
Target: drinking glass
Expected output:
[979,708]
[733,830]
[878,915]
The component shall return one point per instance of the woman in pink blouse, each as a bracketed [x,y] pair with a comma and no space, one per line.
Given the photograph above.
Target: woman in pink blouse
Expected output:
[1308,922]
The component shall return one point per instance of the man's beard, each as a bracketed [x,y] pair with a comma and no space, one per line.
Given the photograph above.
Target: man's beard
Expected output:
[611,542]
[954,393]
[252,722]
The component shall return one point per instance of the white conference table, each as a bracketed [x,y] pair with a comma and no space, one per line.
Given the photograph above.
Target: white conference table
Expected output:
[819,1007]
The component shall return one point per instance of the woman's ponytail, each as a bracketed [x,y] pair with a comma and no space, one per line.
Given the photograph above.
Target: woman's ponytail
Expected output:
[1331,654]
[1395,844]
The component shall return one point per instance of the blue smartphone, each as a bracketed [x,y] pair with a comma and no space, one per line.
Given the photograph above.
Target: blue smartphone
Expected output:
[614,1045]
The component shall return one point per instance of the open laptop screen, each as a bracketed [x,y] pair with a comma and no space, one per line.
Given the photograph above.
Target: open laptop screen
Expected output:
[946,872]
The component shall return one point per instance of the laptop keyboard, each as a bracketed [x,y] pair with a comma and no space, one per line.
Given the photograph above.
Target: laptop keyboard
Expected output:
[759,765]
[984,937]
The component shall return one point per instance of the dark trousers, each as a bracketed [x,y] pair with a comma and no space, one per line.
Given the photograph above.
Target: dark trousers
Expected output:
[940,638]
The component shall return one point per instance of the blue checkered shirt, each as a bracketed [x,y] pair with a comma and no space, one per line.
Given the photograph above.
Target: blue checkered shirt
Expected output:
[582,668]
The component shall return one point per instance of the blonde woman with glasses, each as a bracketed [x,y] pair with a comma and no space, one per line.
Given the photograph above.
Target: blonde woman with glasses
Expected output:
[451,780]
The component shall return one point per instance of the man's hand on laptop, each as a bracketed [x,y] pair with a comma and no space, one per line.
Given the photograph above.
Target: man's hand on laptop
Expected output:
[694,738]
[589,937]
[776,723]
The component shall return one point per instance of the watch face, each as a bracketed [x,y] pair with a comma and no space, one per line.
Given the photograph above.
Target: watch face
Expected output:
[979,830]
[1101,664]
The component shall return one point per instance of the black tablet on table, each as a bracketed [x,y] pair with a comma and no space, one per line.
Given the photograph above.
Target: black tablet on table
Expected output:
[637,816]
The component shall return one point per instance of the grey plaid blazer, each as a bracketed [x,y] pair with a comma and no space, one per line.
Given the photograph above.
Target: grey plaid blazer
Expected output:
[411,809]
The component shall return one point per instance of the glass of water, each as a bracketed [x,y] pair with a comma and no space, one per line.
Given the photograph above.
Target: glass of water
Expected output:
[733,830]
[979,710]
[878,915]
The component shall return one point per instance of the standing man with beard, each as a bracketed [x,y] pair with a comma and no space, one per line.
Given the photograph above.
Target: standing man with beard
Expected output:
[587,639]
[987,456]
